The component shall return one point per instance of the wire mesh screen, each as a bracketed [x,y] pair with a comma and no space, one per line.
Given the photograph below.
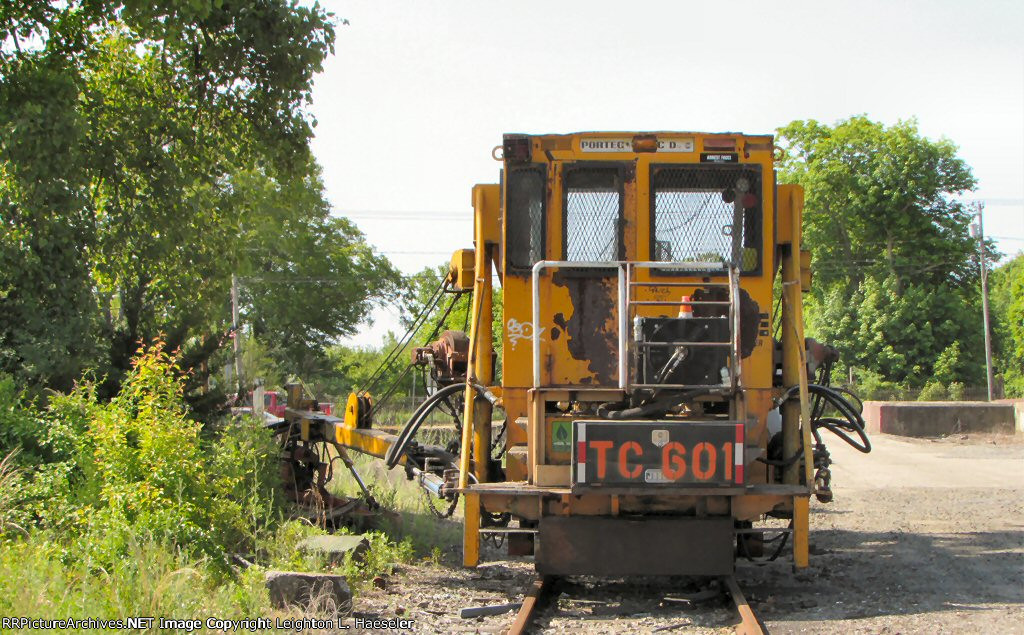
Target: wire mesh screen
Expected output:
[707,214]
[525,217]
[593,214]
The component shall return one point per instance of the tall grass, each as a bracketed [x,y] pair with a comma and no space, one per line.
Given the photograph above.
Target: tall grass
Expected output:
[413,521]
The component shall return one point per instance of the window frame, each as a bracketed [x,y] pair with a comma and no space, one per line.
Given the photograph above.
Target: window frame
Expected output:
[620,182]
[541,169]
[652,218]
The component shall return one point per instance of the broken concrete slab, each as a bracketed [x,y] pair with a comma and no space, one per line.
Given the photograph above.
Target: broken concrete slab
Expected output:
[335,547]
[321,593]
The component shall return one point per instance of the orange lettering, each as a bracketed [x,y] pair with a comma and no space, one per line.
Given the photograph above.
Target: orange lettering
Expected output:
[727,448]
[627,447]
[602,448]
[673,465]
[701,473]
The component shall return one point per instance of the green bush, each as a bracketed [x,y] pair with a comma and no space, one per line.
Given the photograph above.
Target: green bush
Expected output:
[871,387]
[20,428]
[137,469]
[382,553]
[933,391]
[957,391]
[243,465]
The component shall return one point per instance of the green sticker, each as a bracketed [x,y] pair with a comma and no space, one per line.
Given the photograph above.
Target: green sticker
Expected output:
[561,435]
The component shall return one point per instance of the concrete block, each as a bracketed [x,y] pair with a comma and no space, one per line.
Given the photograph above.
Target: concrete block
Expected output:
[1018,413]
[319,592]
[334,547]
[937,418]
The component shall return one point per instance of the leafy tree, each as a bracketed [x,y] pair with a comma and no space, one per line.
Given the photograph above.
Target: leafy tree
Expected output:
[147,152]
[895,269]
[419,289]
[47,315]
[911,337]
[880,201]
[1006,289]
[352,367]
[307,281]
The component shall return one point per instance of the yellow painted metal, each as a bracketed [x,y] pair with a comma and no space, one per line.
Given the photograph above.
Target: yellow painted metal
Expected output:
[793,301]
[784,217]
[471,530]
[794,362]
[801,531]
[486,205]
[477,415]
[484,374]
[368,441]
[553,153]
[487,208]
[805,270]
[352,411]
[460,270]
[480,348]
[560,366]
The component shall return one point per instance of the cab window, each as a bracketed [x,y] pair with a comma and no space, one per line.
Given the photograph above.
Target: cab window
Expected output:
[593,214]
[708,214]
[524,217]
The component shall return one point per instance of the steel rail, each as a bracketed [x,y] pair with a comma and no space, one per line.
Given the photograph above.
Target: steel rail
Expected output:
[537,596]
[749,624]
[542,591]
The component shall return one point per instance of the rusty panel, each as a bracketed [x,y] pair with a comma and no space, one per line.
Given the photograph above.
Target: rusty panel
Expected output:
[606,546]
[583,344]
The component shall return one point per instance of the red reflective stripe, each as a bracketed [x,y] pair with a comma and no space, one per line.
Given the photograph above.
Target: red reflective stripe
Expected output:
[739,473]
[581,451]
[739,433]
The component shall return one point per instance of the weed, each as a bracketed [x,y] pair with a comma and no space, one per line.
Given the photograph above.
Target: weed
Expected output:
[377,560]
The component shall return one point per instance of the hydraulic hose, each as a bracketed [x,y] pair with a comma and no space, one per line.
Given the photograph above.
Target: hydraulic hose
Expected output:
[852,420]
[656,407]
[395,452]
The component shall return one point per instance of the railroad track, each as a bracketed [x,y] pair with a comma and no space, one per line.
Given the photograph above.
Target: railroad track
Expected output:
[544,591]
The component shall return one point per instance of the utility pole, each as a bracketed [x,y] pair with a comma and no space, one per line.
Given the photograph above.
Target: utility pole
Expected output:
[236,333]
[978,231]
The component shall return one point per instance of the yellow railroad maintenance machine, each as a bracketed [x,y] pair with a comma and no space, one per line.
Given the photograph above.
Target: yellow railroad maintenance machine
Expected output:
[654,413]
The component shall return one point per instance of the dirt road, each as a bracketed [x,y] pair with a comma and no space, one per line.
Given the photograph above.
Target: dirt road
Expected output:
[923,537]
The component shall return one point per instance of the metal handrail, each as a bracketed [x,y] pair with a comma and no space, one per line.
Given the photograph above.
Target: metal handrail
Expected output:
[678,302]
[682,343]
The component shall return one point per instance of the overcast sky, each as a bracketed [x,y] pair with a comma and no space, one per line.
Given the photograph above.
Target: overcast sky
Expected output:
[418,93]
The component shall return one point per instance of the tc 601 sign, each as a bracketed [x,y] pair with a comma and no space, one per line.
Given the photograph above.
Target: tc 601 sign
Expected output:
[657,453]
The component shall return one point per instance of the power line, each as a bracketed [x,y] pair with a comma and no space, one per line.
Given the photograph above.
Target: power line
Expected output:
[420,215]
